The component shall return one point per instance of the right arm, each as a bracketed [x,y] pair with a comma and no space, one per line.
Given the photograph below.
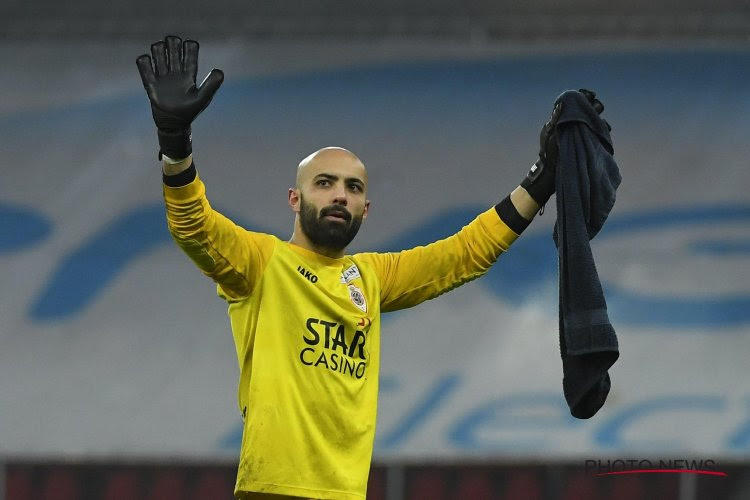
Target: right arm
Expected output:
[233,257]
[228,254]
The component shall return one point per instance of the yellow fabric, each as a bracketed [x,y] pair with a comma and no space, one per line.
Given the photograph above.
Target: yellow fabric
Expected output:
[307,333]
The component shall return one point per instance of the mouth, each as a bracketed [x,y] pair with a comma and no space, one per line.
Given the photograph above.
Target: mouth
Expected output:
[337,216]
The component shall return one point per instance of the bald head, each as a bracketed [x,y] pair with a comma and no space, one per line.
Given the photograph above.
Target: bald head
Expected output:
[330,201]
[329,158]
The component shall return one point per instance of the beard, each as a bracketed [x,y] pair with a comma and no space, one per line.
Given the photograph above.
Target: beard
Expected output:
[324,233]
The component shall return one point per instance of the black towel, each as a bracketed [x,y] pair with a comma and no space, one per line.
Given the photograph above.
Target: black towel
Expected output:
[587,179]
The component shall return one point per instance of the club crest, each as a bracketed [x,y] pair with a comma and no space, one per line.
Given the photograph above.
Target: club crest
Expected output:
[357,298]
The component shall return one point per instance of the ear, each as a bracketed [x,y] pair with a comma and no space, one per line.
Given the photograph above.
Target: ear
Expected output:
[294,199]
[366,210]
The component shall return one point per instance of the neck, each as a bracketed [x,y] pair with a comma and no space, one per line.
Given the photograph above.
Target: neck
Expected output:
[300,239]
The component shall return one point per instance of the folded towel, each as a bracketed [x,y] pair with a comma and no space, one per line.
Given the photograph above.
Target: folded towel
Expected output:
[587,178]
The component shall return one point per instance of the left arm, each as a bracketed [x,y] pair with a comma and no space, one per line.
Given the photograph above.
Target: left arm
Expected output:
[412,276]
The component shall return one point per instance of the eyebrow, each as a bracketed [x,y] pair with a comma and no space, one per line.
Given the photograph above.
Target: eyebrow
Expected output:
[332,177]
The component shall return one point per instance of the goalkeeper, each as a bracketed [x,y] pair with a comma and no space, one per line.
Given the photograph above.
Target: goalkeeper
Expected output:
[305,315]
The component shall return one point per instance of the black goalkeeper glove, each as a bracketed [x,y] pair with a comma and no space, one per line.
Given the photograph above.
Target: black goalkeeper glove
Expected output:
[540,181]
[175,99]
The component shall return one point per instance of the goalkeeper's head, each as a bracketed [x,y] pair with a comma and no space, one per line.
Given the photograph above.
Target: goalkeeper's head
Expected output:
[329,199]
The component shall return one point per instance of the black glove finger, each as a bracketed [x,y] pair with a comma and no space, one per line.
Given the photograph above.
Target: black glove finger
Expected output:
[598,106]
[553,150]
[591,96]
[548,129]
[209,86]
[146,70]
[159,56]
[555,114]
[174,53]
[544,137]
[190,58]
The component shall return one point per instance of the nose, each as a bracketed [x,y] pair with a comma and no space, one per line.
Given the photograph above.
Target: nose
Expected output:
[339,196]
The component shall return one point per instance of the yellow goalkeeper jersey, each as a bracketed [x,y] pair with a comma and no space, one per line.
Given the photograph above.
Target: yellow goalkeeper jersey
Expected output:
[307,333]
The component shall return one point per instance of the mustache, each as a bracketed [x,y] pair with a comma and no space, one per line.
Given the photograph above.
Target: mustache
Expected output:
[336,209]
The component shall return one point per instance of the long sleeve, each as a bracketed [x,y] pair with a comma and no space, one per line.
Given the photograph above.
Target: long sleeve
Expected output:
[230,255]
[421,273]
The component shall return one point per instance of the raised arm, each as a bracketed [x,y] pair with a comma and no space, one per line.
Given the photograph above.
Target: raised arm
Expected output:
[421,273]
[227,253]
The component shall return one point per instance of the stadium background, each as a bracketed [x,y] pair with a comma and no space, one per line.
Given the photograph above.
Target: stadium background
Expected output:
[117,366]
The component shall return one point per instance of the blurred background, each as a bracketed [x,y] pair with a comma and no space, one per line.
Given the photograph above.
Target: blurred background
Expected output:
[117,368]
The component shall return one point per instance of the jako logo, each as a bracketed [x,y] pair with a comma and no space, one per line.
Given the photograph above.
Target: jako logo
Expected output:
[307,274]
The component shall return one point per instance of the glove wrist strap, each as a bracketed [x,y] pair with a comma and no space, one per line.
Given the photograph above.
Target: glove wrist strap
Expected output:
[539,184]
[175,143]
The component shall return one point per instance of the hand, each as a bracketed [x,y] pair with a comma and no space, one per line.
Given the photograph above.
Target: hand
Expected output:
[540,181]
[591,96]
[171,89]
[595,103]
